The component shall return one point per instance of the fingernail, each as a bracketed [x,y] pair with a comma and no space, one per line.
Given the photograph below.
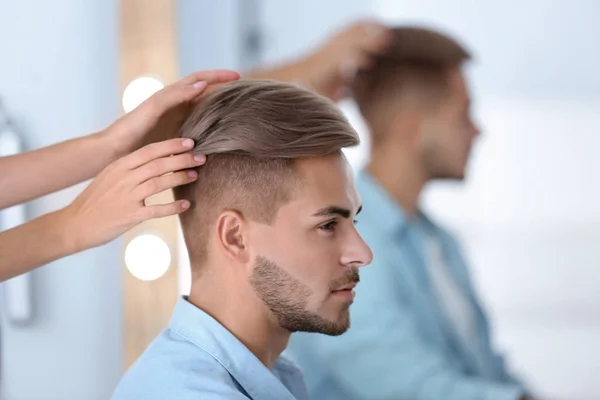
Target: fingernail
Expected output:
[185,205]
[187,143]
[192,174]
[199,85]
[199,158]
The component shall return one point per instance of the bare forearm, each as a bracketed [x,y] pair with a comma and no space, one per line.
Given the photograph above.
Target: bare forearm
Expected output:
[34,244]
[26,176]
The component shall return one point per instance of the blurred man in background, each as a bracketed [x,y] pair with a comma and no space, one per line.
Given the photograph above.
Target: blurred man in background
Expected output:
[418,331]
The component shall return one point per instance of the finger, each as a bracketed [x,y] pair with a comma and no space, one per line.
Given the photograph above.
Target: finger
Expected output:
[348,69]
[210,89]
[373,28]
[155,151]
[342,93]
[361,30]
[175,95]
[368,35]
[163,210]
[375,37]
[165,165]
[210,77]
[354,29]
[187,89]
[162,183]
[361,61]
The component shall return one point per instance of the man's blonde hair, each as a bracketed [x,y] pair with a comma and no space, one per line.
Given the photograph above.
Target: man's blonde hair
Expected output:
[252,131]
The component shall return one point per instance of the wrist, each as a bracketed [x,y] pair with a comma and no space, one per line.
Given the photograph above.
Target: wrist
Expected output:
[64,231]
[111,144]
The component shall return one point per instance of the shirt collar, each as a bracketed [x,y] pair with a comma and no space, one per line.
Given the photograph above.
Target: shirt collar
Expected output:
[208,334]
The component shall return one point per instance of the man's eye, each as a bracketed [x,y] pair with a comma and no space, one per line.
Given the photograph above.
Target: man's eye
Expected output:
[328,226]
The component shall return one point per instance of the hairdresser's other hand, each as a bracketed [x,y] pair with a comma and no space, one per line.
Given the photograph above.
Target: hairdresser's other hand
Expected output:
[331,67]
[114,202]
[160,116]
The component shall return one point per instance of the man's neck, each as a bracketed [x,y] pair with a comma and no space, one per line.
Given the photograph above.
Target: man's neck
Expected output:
[243,314]
[400,176]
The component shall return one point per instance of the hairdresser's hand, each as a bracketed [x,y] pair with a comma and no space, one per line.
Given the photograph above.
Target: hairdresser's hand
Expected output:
[160,117]
[114,202]
[331,67]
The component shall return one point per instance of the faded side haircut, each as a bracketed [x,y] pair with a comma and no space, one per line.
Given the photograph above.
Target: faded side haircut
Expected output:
[252,131]
[416,64]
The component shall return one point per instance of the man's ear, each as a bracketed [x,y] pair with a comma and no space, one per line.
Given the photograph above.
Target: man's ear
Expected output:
[231,230]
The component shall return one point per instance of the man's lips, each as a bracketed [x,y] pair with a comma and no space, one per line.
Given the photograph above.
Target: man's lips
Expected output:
[349,286]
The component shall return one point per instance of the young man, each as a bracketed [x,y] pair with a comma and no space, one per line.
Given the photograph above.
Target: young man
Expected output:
[272,244]
[418,331]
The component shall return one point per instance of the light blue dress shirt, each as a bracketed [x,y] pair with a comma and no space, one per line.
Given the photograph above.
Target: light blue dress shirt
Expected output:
[402,343]
[196,358]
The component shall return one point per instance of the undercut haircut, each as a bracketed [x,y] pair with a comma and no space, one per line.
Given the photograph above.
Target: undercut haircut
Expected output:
[416,63]
[252,132]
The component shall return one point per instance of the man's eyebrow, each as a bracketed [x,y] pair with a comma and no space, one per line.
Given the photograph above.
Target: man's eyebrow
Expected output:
[332,211]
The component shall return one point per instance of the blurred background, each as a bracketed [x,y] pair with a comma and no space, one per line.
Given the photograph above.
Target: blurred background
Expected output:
[528,214]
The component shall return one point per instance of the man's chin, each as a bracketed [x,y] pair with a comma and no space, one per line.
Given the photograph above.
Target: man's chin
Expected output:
[338,327]
[333,328]
[328,323]
[337,330]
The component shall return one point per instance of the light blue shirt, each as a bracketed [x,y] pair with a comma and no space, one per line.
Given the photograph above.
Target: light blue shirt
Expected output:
[196,358]
[402,343]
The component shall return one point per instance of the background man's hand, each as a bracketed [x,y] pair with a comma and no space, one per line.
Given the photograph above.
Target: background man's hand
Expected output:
[332,66]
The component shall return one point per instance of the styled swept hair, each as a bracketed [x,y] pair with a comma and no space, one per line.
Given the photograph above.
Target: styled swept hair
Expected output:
[252,131]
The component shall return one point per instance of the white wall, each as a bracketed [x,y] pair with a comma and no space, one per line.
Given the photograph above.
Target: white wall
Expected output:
[59,79]
[529,219]
[207,35]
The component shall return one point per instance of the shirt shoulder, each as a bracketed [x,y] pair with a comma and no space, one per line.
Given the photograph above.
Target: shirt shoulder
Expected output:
[174,367]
